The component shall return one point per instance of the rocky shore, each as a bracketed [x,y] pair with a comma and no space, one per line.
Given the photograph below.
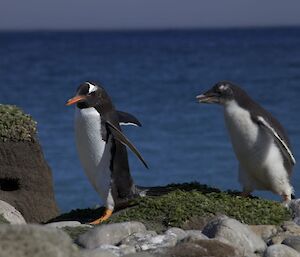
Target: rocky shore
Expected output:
[218,235]
[180,220]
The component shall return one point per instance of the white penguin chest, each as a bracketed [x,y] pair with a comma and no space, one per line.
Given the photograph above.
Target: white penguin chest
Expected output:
[248,141]
[89,141]
[94,152]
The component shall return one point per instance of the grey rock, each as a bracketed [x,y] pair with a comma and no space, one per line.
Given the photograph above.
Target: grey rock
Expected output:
[126,249]
[110,234]
[138,237]
[140,254]
[179,233]
[294,205]
[277,239]
[149,240]
[159,241]
[293,242]
[108,250]
[62,224]
[280,251]
[291,227]
[24,168]
[193,235]
[207,247]
[288,229]
[111,248]
[35,241]
[12,215]
[265,231]
[97,253]
[234,232]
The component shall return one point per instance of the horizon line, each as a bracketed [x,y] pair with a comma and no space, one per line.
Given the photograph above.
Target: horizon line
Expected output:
[147,29]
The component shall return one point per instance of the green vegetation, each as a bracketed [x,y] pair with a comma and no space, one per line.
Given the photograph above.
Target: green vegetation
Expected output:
[177,207]
[15,125]
[182,203]
[3,220]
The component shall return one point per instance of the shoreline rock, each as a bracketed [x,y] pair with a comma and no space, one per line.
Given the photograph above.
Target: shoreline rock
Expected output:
[25,178]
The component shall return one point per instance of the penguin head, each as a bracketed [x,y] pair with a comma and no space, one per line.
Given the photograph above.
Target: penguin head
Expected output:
[220,93]
[88,95]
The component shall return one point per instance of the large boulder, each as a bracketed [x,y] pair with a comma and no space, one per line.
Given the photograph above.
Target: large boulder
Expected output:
[25,178]
[35,241]
[236,233]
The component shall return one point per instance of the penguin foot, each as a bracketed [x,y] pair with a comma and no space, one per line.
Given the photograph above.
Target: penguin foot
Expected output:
[104,217]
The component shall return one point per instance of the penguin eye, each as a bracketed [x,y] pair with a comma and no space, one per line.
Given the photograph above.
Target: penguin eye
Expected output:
[92,93]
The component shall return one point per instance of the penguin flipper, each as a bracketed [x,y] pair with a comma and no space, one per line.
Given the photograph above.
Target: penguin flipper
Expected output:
[286,150]
[118,135]
[128,119]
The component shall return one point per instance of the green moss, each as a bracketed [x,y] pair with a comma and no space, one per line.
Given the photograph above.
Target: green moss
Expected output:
[3,220]
[180,203]
[15,125]
[195,200]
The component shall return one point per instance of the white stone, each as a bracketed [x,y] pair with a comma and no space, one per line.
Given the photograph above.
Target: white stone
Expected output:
[10,213]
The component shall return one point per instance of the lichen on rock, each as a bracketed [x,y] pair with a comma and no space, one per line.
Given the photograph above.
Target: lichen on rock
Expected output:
[15,125]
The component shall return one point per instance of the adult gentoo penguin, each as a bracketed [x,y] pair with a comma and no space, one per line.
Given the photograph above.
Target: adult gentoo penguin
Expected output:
[101,145]
[259,141]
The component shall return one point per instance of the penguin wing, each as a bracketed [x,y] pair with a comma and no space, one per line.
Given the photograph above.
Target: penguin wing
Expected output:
[128,119]
[286,150]
[125,141]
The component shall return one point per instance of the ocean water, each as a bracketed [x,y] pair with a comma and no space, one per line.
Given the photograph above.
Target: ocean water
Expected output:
[154,75]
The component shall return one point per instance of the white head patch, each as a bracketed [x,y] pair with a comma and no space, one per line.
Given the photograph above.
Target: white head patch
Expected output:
[223,87]
[92,88]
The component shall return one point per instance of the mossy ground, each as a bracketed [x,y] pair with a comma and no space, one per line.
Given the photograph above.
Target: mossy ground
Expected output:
[185,202]
[15,125]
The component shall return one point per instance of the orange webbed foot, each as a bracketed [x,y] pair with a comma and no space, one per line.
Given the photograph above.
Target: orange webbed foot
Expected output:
[104,217]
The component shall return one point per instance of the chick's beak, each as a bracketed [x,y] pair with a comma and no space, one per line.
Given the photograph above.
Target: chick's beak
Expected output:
[75,99]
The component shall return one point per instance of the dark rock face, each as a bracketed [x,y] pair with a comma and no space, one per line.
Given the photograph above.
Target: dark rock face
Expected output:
[26,180]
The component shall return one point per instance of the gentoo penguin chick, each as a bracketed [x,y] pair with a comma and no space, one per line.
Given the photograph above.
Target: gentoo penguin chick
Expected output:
[259,141]
[101,145]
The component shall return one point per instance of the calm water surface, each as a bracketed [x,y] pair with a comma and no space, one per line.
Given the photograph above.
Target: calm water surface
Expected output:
[156,76]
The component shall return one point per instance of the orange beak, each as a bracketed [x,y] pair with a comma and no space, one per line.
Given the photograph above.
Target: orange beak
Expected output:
[75,99]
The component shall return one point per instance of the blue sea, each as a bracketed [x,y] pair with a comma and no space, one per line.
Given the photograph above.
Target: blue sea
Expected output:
[154,75]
